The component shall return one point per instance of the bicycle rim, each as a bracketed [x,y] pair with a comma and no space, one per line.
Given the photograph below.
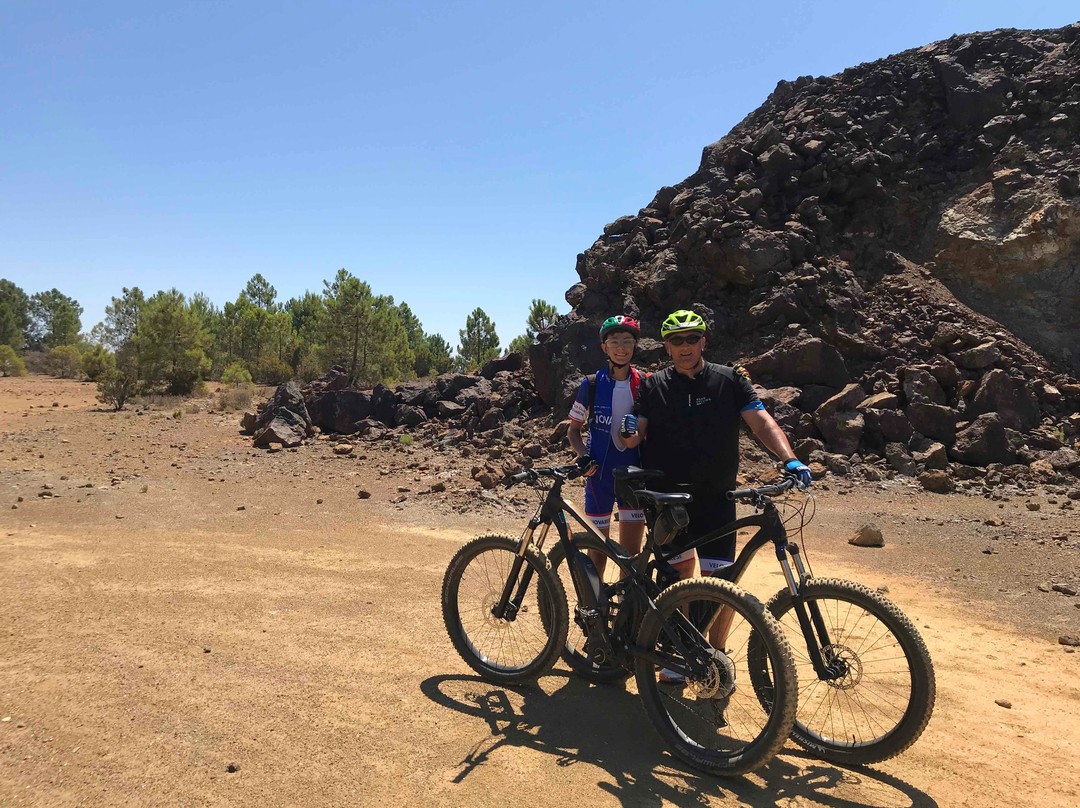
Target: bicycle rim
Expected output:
[884,698]
[502,649]
[717,722]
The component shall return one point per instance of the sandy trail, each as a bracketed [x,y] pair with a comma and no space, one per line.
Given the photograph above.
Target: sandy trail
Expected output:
[304,645]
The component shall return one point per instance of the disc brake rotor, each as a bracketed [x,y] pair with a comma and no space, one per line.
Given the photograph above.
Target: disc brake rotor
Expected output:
[719,680]
[853,668]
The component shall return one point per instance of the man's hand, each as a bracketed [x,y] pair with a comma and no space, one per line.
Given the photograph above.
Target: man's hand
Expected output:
[588,465]
[800,471]
[629,426]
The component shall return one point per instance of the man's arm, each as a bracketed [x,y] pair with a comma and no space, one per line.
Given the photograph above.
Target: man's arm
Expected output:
[767,431]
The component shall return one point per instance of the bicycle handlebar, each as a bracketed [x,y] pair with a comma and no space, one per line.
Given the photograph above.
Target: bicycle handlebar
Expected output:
[570,472]
[786,484]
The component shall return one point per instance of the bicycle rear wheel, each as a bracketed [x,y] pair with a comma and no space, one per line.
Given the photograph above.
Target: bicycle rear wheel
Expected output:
[510,650]
[716,722]
[883,701]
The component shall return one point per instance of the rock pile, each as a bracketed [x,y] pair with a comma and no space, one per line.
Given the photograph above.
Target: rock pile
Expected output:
[879,248]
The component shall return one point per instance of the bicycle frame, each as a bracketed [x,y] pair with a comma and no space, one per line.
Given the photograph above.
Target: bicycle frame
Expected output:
[638,584]
[771,529]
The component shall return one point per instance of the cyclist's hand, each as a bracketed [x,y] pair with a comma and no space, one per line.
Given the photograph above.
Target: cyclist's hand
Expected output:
[588,465]
[629,426]
[800,471]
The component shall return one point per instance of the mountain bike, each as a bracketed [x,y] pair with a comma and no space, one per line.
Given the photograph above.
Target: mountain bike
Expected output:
[506,613]
[866,680]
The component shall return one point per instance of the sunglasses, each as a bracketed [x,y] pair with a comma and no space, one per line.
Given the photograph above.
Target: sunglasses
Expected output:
[692,339]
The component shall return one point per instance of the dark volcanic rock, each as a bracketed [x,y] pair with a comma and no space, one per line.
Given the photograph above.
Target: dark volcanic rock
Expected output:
[339,410]
[511,361]
[982,442]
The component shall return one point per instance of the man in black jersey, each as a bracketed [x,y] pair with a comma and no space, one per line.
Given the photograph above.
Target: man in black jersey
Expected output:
[688,416]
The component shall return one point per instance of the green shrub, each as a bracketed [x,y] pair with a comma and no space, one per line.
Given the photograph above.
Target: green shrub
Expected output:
[271,370]
[116,386]
[406,440]
[177,414]
[63,361]
[310,368]
[236,374]
[11,363]
[95,361]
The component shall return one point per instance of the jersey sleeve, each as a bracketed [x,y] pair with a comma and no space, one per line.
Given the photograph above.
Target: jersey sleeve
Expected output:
[579,412]
[746,396]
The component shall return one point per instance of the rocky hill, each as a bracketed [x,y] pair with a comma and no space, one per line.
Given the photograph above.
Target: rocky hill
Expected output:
[893,252]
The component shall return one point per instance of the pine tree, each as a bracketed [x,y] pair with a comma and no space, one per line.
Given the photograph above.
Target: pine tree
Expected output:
[261,293]
[15,322]
[363,332]
[479,342]
[541,315]
[54,320]
[173,343]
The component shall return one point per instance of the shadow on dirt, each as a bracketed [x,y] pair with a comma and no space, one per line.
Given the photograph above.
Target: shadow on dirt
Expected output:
[606,727]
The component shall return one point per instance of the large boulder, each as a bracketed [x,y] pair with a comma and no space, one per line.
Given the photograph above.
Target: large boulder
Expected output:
[450,384]
[982,442]
[799,361]
[1014,402]
[840,423]
[511,361]
[339,410]
[409,415]
[933,420]
[384,404]
[286,428]
[919,384]
[283,419]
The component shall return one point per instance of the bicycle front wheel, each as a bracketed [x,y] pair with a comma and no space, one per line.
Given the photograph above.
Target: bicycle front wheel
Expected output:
[520,646]
[882,702]
[716,722]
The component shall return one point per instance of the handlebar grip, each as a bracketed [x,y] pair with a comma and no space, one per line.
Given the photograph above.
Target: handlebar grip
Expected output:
[517,478]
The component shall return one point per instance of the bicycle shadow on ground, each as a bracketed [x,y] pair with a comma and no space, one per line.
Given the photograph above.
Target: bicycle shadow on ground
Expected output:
[607,727]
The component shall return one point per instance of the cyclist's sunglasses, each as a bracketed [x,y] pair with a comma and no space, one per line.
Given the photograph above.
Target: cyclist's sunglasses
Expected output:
[689,339]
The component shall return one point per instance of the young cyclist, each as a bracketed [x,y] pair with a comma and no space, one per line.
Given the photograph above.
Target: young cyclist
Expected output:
[603,399]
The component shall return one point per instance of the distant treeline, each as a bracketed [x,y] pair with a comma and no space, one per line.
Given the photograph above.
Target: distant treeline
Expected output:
[170,342]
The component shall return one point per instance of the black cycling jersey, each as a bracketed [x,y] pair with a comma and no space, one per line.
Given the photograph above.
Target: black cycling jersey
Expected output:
[693,424]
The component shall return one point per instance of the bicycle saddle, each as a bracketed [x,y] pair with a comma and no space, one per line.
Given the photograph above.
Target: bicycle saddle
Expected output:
[635,473]
[664,499]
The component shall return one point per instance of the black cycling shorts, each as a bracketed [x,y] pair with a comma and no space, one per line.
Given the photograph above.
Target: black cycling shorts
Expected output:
[708,512]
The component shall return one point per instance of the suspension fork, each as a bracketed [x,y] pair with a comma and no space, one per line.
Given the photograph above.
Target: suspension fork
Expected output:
[509,603]
[811,622]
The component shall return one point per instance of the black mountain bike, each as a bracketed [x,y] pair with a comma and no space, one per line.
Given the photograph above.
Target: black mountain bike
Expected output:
[866,682]
[693,646]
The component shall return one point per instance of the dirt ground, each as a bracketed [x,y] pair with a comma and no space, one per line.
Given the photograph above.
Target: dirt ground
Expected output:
[177,604]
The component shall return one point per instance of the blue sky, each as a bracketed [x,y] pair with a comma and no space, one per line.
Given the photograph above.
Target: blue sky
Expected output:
[452,154]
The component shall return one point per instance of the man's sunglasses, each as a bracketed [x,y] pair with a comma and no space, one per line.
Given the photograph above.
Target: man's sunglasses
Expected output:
[690,339]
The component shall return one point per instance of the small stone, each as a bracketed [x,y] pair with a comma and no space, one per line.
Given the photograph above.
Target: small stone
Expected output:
[318,502]
[206,650]
[399,499]
[362,494]
[119,516]
[403,489]
[232,768]
[1045,587]
[869,535]
[241,507]
[343,449]
[1032,506]
[1064,589]
[1070,640]
[1003,703]
[438,488]
[989,551]
[884,590]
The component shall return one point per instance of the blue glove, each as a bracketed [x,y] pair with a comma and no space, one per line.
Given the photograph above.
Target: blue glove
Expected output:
[800,470]
[629,426]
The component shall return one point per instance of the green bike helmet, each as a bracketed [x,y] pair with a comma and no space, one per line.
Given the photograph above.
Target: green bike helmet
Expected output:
[620,323]
[681,320]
